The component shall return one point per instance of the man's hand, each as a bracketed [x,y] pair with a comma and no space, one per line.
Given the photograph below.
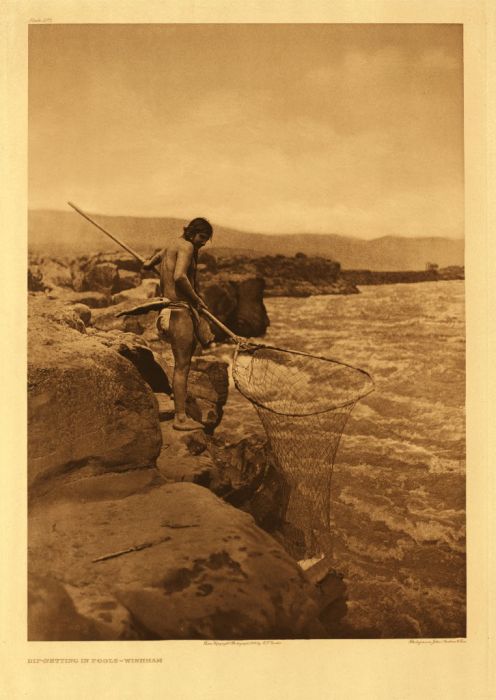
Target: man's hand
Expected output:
[200,304]
[155,259]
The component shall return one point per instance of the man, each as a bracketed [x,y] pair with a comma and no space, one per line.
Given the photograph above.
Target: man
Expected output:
[178,265]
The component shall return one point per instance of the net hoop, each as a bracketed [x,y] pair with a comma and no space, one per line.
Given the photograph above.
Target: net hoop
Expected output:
[368,381]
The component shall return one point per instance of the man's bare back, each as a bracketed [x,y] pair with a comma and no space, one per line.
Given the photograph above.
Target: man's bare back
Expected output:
[177,269]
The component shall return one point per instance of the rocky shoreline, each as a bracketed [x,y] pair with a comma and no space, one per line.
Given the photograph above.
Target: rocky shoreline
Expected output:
[234,286]
[297,276]
[367,277]
[137,531]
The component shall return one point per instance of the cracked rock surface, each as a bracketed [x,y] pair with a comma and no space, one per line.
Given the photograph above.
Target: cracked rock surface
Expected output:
[198,569]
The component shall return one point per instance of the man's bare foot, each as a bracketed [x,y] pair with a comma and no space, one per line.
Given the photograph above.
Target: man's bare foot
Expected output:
[186,423]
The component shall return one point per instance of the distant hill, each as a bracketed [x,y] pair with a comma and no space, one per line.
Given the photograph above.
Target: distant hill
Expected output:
[66,234]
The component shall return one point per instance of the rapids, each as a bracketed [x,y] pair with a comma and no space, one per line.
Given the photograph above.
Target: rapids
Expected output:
[398,488]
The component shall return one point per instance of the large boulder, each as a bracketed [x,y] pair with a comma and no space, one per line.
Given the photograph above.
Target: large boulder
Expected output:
[148,289]
[222,302]
[55,273]
[84,313]
[237,301]
[121,259]
[251,317]
[87,405]
[127,280]
[184,564]
[101,277]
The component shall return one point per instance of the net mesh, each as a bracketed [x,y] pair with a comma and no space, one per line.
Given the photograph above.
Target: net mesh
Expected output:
[303,402]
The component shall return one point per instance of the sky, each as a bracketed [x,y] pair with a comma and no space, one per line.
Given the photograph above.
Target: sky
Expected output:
[318,128]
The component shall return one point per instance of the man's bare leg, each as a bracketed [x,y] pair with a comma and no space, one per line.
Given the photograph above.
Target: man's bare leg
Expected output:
[183,344]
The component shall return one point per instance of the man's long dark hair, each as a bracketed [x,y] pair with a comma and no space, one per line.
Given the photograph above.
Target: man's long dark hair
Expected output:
[196,226]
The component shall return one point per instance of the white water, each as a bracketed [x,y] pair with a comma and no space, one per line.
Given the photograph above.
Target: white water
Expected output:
[398,489]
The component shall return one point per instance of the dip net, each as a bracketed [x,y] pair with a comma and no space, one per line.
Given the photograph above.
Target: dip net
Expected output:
[303,402]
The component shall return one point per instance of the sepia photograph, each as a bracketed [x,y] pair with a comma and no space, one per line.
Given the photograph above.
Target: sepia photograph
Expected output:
[246,332]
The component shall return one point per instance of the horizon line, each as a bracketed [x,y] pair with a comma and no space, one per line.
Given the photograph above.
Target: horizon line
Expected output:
[252,232]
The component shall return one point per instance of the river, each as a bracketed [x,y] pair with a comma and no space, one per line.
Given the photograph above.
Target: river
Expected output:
[398,487]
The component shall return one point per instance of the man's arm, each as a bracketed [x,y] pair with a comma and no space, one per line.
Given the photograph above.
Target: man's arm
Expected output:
[156,259]
[181,279]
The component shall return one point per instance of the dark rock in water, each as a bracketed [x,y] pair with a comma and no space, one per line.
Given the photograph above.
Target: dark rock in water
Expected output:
[186,566]
[221,299]
[251,317]
[237,301]
[88,406]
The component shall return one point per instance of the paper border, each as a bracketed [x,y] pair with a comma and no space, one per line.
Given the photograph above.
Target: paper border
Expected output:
[295,669]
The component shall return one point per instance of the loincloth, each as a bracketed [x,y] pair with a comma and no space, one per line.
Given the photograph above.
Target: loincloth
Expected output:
[201,328]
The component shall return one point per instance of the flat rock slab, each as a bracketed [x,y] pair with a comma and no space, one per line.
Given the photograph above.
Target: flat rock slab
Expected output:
[201,570]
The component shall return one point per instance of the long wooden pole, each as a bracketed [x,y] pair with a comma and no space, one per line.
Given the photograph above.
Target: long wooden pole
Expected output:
[107,233]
